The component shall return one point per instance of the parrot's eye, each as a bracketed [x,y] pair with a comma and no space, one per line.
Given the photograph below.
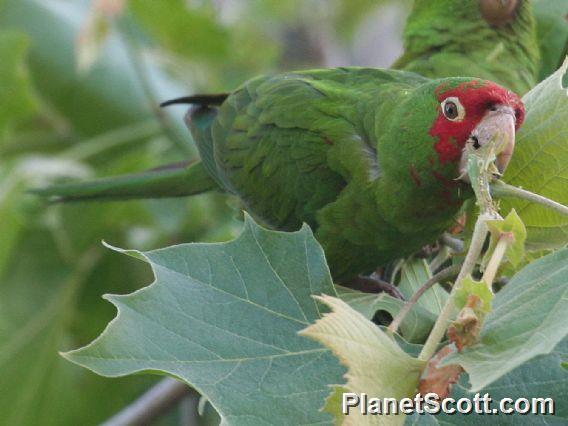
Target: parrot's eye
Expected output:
[453,109]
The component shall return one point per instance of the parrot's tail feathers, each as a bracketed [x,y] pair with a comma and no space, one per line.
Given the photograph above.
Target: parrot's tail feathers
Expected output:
[199,120]
[204,100]
[177,180]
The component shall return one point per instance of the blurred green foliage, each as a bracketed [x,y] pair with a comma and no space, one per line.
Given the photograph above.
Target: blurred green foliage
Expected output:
[193,33]
[553,34]
[18,101]
[61,118]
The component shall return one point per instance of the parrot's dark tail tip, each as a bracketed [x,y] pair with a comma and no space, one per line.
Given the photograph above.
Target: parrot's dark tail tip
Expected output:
[204,100]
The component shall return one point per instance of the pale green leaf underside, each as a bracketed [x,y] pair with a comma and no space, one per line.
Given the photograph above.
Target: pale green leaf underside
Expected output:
[376,364]
[529,318]
[540,162]
[225,319]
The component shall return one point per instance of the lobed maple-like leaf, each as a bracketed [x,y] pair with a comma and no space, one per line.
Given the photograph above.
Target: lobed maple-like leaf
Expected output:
[225,319]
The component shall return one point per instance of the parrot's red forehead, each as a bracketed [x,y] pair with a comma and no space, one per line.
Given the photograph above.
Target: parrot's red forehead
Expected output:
[477,97]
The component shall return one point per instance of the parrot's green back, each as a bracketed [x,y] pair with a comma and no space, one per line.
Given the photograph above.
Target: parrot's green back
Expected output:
[446,38]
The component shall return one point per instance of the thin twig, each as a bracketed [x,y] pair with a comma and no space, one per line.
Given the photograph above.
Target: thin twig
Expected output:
[444,274]
[153,404]
[501,189]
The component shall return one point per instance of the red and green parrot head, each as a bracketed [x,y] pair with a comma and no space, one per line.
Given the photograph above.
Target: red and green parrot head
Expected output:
[473,111]
[423,153]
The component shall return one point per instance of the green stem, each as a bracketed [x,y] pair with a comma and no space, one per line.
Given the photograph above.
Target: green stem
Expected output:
[477,240]
[496,258]
[501,189]
[444,274]
[437,334]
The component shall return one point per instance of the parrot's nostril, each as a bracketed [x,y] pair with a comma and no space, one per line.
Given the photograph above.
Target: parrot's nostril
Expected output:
[475,142]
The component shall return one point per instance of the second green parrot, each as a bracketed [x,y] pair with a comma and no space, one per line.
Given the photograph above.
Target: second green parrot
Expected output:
[491,39]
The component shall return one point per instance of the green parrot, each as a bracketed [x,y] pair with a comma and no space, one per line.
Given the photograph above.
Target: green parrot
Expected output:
[371,159]
[490,39]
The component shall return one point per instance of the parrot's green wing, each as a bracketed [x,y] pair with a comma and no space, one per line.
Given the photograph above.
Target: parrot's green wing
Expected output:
[289,144]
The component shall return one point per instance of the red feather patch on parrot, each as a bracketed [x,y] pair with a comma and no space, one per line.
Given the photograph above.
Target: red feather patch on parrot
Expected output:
[476,97]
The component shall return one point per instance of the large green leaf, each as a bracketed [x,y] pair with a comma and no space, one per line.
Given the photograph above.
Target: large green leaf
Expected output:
[16,99]
[540,163]
[225,319]
[541,377]
[529,318]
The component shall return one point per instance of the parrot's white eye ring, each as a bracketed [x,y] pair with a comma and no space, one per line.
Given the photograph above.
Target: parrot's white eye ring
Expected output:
[452,109]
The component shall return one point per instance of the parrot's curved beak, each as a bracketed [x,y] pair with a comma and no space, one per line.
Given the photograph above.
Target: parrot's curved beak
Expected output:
[498,125]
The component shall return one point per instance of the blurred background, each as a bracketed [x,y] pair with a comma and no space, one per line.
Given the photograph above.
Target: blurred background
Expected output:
[80,82]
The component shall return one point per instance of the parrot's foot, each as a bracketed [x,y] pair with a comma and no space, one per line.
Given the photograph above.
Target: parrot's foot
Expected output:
[428,251]
[373,284]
